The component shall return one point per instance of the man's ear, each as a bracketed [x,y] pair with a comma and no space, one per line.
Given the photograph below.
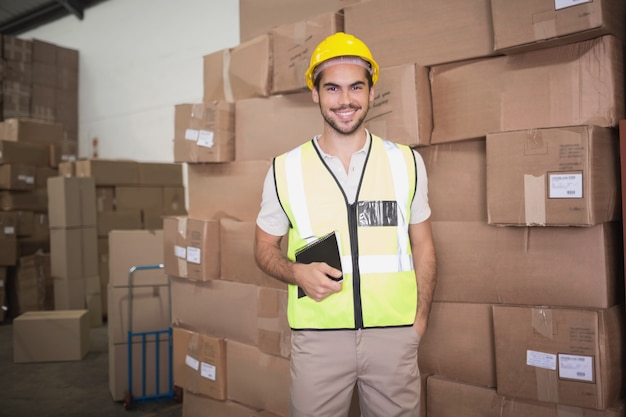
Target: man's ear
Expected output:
[372,94]
[315,95]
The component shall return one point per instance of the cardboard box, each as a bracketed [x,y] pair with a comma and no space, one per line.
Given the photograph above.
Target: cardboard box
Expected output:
[260,16]
[195,405]
[228,309]
[123,219]
[569,85]
[17,177]
[457,331]
[74,252]
[256,378]
[118,369]
[8,250]
[131,248]
[32,200]
[557,266]
[401,31]
[8,223]
[239,186]
[24,153]
[50,336]
[553,177]
[292,45]
[199,363]
[71,202]
[521,26]
[565,356]
[191,248]
[160,174]
[237,261]
[261,133]
[109,172]
[174,201]
[401,111]
[243,71]
[31,130]
[204,132]
[457,180]
[137,198]
[105,198]
[34,288]
[274,330]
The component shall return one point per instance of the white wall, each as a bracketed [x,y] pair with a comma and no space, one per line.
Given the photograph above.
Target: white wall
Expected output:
[139,58]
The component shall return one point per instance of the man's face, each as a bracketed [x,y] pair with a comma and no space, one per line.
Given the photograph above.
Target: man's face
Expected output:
[344,97]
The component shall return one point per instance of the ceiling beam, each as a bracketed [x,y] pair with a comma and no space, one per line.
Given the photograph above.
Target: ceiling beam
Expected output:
[73,7]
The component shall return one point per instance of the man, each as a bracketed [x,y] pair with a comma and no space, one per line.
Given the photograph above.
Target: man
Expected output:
[365,328]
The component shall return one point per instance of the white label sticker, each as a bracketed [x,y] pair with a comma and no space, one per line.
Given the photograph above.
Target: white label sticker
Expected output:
[180,252]
[192,363]
[194,255]
[576,367]
[205,138]
[541,359]
[28,179]
[208,371]
[566,185]
[562,4]
[191,134]
[9,230]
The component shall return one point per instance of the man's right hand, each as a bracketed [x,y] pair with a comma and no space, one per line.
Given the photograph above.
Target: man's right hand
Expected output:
[315,281]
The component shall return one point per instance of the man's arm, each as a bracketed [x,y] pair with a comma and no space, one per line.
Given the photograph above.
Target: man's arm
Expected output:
[312,278]
[425,262]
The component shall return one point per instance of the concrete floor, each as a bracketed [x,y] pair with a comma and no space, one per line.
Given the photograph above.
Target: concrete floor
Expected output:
[67,389]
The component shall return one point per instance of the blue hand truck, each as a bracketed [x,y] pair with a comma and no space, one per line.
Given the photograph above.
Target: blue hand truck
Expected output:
[129,396]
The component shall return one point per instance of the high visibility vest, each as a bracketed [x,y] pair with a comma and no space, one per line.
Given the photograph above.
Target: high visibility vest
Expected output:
[379,288]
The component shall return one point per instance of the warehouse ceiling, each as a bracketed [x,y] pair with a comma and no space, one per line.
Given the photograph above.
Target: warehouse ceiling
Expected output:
[18,16]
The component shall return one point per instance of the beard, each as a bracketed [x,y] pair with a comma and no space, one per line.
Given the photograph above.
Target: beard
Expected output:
[337,126]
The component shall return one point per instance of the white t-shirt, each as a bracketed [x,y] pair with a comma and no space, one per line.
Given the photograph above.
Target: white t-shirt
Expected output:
[273,220]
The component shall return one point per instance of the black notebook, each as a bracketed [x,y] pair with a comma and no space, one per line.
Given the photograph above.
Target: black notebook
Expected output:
[324,249]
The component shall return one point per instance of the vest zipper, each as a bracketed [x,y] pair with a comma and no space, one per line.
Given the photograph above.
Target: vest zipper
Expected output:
[356,274]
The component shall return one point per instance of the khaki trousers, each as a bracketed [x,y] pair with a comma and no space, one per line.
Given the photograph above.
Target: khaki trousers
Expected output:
[326,365]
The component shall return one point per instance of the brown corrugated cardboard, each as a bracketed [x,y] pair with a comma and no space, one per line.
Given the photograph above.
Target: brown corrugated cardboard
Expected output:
[50,336]
[128,248]
[199,363]
[31,130]
[139,197]
[274,330]
[456,180]
[109,172]
[446,397]
[174,201]
[74,252]
[150,310]
[204,132]
[33,200]
[24,153]
[260,16]
[292,45]
[256,378]
[127,219]
[8,223]
[456,332]
[160,174]
[569,85]
[243,71]
[239,186]
[237,255]
[195,405]
[401,111]
[401,31]
[118,369]
[565,356]
[520,26]
[559,266]
[8,250]
[191,248]
[553,177]
[224,308]
[16,99]
[260,129]
[71,202]
[17,177]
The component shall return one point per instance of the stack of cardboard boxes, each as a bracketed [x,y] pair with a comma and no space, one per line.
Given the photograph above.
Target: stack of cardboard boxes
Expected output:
[514,109]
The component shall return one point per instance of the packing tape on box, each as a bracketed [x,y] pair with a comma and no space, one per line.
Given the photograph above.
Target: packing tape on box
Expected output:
[535,200]
[228,89]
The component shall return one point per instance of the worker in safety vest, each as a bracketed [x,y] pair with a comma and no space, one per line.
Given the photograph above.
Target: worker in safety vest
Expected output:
[360,322]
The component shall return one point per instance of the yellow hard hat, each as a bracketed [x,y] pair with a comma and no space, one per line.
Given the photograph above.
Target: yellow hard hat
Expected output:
[338,45]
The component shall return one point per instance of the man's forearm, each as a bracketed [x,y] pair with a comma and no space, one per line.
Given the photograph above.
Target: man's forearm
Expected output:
[271,260]
[426,274]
